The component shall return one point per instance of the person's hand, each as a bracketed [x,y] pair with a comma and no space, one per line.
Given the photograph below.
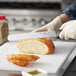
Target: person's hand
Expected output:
[68,30]
[53,25]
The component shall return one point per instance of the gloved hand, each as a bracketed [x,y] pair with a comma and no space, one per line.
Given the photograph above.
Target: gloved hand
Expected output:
[68,30]
[53,25]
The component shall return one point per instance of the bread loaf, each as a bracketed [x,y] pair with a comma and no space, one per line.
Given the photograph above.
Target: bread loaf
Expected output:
[36,46]
[3,32]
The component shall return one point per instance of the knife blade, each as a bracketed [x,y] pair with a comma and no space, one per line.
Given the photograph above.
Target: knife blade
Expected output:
[31,35]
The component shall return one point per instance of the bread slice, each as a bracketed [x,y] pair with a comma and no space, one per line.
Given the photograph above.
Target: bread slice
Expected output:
[22,59]
[36,46]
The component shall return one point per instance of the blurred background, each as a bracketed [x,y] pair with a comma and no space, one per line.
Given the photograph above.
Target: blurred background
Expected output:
[27,15]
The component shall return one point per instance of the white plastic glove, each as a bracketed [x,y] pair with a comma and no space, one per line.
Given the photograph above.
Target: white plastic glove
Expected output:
[53,25]
[68,30]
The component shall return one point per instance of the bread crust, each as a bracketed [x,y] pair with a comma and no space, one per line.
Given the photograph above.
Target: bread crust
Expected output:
[49,43]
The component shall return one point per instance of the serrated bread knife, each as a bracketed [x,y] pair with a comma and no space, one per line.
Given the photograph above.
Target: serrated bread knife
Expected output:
[31,35]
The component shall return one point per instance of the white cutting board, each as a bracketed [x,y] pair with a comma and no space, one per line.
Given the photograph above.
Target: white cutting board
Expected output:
[51,63]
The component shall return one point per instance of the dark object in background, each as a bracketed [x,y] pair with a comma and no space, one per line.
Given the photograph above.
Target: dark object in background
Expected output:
[71,70]
[31,5]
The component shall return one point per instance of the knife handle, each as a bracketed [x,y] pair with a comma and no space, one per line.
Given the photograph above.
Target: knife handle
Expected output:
[57,32]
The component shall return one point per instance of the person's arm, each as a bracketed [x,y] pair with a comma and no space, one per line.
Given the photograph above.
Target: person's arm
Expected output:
[64,18]
[70,11]
[68,14]
[54,24]
[69,28]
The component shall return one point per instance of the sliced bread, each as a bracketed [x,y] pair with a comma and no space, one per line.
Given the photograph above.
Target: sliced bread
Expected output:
[36,46]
